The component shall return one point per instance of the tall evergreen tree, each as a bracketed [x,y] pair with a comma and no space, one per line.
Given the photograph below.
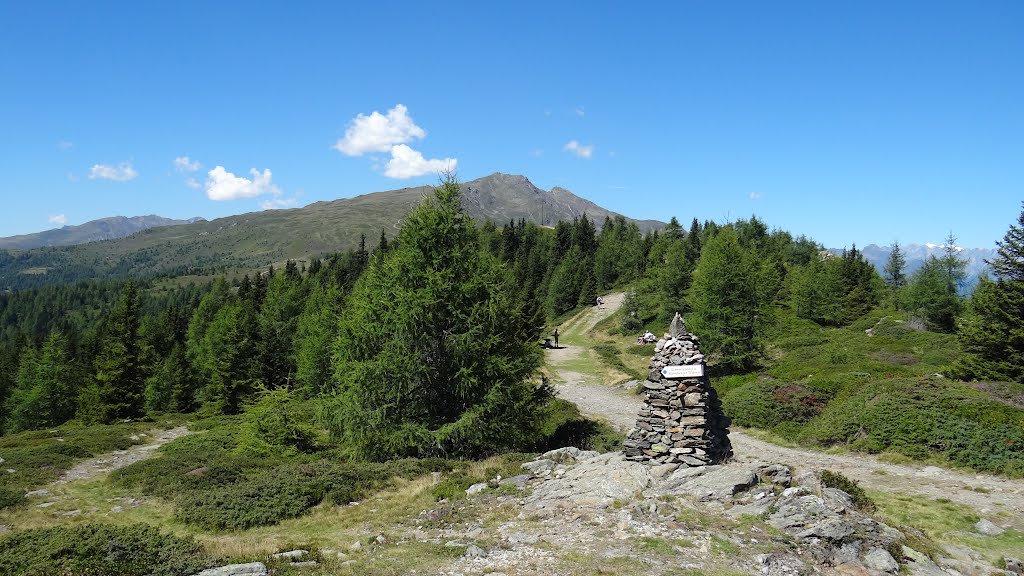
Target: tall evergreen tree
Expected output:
[895,273]
[429,358]
[993,334]
[727,312]
[119,377]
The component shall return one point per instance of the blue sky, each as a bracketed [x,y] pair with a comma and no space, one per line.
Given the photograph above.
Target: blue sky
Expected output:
[861,122]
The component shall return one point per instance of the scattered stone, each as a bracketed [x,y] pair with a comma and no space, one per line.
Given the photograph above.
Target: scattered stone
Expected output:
[1014,565]
[40,492]
[46,504]
[986,527]
[878,559]
[538,467]
[291,554]
[476,488]
[306,564]
[474,551]
[250,569]
[357,546]
[380,540]
[518,481]
[520,538]
[117,509]
[71,513]
[11,470]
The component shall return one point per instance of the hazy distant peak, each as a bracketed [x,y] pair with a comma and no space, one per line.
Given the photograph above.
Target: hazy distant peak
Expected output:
[108,228]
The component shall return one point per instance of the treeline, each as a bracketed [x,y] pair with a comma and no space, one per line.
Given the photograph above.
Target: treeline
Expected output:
[101,351]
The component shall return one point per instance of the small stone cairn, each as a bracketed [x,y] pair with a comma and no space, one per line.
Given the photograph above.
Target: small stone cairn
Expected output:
[681,421]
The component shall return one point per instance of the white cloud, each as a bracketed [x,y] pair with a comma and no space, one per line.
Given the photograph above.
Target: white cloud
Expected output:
[580,111]
[275,203]
[186,164]
[123,172]
[65,144]
[378,132]
[58,219]
[579,150]
[755,195]
[222,185]
[408,163]
[193,183]
[537,152]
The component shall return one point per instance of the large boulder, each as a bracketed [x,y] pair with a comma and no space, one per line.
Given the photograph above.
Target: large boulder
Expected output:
[595,482]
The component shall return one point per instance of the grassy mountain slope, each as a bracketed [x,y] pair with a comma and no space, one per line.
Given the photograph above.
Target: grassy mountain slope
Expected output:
[257,239]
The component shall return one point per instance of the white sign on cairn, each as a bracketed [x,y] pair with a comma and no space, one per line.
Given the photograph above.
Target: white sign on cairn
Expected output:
[684,371]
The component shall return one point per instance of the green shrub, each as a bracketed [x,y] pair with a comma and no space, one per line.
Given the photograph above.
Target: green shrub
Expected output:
[99,550]
[10,497]
[276,421]
[861,500]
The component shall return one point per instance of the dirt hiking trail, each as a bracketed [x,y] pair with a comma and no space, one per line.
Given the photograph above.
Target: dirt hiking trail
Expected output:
[984,493]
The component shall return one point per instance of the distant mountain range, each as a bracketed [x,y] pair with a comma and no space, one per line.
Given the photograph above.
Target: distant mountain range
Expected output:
[103,229]
[918,254]
[257,239]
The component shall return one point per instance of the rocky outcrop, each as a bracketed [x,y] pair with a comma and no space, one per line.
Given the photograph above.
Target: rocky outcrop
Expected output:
[681,421]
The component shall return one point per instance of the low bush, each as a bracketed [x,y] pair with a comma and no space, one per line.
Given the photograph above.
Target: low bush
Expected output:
[100,550]
[861,500]
[10,497]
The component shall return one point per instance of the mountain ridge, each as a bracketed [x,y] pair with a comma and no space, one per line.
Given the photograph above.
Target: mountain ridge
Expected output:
[257,239]
[107,228]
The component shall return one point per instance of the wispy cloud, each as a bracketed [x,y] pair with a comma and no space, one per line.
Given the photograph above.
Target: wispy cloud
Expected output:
[755,195]
[408,163]
[579,150]
[537,152]
[276,203]
[65,144]
[580,111]
[222,185]
[186,164]
[193,183]
[123,172]
[58,219]
[379,132]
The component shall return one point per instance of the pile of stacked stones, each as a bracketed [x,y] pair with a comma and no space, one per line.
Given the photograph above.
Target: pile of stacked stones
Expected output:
[681,421]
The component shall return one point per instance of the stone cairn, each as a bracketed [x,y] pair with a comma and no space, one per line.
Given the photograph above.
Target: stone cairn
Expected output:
[681,421]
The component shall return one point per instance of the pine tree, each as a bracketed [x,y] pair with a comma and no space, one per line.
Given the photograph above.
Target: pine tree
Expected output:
[429,358]
[895,273]
[727,313]
[992,336]
[119,377]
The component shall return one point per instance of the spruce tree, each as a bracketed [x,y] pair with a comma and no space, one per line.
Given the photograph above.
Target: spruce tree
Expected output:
[119,377]
[895,273]
[430,359]
[992,335]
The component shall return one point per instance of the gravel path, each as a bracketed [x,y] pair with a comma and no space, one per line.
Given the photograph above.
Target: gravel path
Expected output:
[984,493]
[111,461]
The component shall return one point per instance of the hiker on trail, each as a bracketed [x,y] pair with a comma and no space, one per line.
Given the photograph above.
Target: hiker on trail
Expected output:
[599,301]
[555,334]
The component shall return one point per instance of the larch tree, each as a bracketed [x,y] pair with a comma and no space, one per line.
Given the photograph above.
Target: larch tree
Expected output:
[430,358]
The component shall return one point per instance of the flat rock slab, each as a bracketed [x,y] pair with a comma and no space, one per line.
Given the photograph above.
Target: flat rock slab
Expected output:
[710,482]
[250,569]
[596,482]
